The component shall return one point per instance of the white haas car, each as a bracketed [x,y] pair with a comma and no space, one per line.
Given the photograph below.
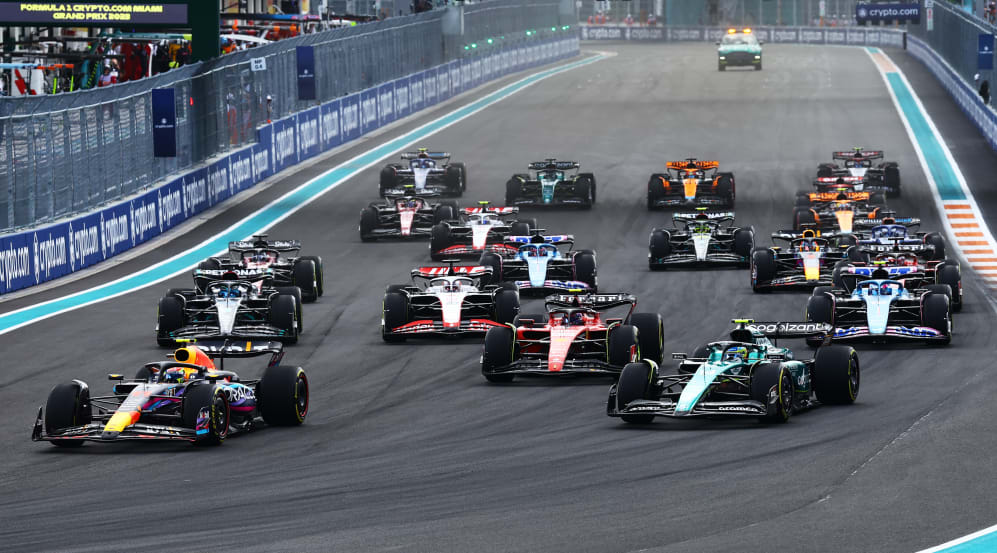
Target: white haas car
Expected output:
[478,230]
[428,172]
[452,301]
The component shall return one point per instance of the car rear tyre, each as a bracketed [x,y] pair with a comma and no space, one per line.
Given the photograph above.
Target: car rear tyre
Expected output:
[744,244]
[836,376]
[283,308]
[506,306]
[763,269]
[725,188]
[938,241]
[498,352]
[170,319]
[282,394]
[949,273]
[444,213]
[519,228]
[452,178]
[655,189]
[389,180]
[210,264]
[319,272]
[439,240]
[634,384]
[650,335]
[368,224]
[803,216]
[584,266]
[493,261]
[296,292]
[513,188]
[820,309]
[305,277]
[891,179]
[68,405]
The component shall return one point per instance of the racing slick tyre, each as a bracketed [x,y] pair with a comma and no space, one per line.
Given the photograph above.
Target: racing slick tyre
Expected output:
[877,199]
[498,351]
[212,396]
[633,384]
[394,313]
[368,223]
[820,309]
[803,199]
[296,292]
[836,375]
[655,189]
[209,264]
[947,272]
[389,180]
[444,213]
[494,261]
[519,228]
[725,188]
[803,216]
[821,290]
[891,179]
[68,405]
[763,269]
[439,239]
[282,395]
[847,240]
[721,66]
[825,170]
[938,241]
[283,308]
[170,318]
[513,188]
[935,313]
[589,179]
[395,288]
[623,344]
[650,335]
[463,175]
[767,378]
[305,276]
[538,319]
[531,222]
[659,246]
[758,67]
[452,178]
[319,272]
[506,306]
[943,289]
[584,266]
[840,268]
[744,244]
[175,292]
[858,256]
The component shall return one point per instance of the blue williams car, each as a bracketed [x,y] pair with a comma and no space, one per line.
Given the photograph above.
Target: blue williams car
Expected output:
[541,264]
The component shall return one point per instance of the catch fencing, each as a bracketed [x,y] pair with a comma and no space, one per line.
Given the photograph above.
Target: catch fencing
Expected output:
[72,153]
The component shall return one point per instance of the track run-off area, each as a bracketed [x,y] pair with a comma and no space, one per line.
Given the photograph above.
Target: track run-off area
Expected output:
[407,448]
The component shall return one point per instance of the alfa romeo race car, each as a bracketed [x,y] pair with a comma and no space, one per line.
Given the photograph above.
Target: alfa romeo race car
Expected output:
[187,398]
[280,256]
[550,182]
[701,239]
[573,338]
[739,49]
[545,263]
[877,308]
[690,183]
[861,163]
[478,230]
[428,172]
[228,308]
[838,211]
[408,216]
[808,261]
[747,375]
[447,301]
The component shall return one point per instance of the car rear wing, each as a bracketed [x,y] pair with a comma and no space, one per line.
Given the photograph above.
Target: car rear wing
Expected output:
[490,209]
[260,242]
[452,270]
[839,180]
[591,301]
[839,196]
[692,164]
[557,239]
[857,153]
[553,164]
[787,329]
[233,274]
[218,349]
[431,155]
[716,216]
[914,248]
[905,221]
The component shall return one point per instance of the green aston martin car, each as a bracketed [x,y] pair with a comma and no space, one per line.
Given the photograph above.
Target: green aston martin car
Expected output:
[739,49]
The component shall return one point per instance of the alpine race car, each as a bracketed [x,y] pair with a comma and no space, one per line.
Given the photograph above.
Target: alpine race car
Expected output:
[187,398]
[748,375]
[573,338]
[545,263]
[478,230]
[428,172]
[281,257]
[739,49]
[228,308]
[878,308]
[452,301]
[551,183]
[807,262]
[838,211]
[690,183]
[408,216]
[861,163]
[701,239]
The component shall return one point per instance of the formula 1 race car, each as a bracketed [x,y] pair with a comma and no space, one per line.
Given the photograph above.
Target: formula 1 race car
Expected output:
[807,262]
[748,375]
[228,308]
[542,264]
[186,398]
[883,176]
[877,308]
[478,230]
[408,216]
[691,183]
[281,257]
[428,172]
[447,301]
[550,183]
[573,338]
[701,239]
[838,211]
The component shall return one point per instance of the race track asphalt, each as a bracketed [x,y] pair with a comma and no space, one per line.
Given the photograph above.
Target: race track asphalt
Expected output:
[407,448]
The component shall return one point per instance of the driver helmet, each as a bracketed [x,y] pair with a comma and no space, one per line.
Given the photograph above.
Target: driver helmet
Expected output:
[410,202]
[226,292]
[178,375]
[887,259]
[736,353]
[577,318]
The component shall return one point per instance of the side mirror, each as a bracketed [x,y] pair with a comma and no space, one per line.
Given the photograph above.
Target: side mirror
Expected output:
[717,43]
[113,376]
[214,377]
[528,323]
[680,356]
